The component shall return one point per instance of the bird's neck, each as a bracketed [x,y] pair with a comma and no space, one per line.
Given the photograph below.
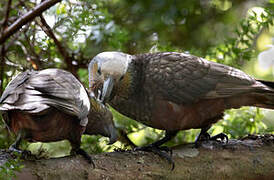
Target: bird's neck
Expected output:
[130,85]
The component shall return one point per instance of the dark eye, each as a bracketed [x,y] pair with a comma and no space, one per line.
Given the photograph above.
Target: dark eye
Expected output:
[121,77]
[99,71]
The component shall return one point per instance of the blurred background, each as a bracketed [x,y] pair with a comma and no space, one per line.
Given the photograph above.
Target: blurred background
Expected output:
[68,35]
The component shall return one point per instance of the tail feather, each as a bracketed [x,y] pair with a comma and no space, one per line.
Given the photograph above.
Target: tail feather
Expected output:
[267,83]
[265,94]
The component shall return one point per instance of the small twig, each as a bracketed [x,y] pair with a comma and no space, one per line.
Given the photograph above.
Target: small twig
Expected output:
[10,63]
[16,36]
[5,23]
[47,29]
[36,11]
[67,57]
[3,52]
[36,63]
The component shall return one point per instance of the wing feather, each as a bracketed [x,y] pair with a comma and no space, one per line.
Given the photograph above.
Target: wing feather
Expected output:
[184,78]
[42,89]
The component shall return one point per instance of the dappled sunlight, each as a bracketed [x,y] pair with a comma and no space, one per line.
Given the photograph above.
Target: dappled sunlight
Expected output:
[217,130]
[240,122]
[223,5]
[145,136]
[262,71]
[52,149]
[266,58]
[268,119]
[223,31]
[259,11]
[138,137]
[264,40]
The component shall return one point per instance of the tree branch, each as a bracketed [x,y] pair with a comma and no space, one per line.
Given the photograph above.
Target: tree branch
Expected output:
[249,158]
[5,23]
[3,51]
[15,38]
[32,56]
[47,29]
[38,10]
[2,66]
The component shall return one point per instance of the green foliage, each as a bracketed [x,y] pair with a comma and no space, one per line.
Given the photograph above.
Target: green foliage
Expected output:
[87,27]
[123,121]
[9,168]
[5,140]
[240,122]
[96,144]
[235,51]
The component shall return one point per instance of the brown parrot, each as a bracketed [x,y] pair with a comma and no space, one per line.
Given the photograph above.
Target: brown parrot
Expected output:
[52,105]
[174,91]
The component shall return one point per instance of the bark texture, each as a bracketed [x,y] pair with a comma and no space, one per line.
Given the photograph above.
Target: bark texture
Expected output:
[249,158]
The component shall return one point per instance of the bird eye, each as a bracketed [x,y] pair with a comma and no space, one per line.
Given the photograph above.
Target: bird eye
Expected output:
[121,78]
[99,71]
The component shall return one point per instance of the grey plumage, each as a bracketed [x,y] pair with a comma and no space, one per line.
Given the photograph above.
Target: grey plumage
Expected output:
[191,78]
[146,85]
[174,91]
[52,105]
[35,91]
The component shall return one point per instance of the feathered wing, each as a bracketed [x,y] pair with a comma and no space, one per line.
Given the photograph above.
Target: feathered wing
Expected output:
[184,78]
[50,87]
[13,90]
[16,95]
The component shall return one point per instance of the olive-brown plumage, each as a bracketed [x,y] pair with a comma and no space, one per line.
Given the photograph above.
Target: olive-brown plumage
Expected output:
[174,91]
[52,105]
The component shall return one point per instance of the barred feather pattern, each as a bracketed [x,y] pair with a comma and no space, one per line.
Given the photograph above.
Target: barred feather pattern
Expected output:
[181,81]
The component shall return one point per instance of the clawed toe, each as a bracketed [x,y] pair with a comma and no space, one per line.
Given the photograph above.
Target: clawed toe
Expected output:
[206,137]
[163,151]
[25,154]
[221,136]
[85,155]
[166,149]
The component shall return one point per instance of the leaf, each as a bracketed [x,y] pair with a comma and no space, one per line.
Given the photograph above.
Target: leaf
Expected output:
[61,9]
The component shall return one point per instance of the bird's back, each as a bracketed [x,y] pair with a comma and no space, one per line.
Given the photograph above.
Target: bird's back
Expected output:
[35,91]
[174,89]
[184,78]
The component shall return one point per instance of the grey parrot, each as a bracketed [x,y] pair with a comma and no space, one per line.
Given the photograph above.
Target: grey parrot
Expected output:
[174,91]
[52,105]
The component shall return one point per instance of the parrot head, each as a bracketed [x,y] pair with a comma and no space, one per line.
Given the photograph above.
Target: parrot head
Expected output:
[100,121]
[105,70]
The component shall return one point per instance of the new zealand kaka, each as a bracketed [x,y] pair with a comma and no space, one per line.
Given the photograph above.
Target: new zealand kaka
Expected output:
[52,105]
[174,91]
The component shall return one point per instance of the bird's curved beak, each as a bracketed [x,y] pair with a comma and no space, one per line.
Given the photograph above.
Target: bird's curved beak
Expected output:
[107,89]
[113,135]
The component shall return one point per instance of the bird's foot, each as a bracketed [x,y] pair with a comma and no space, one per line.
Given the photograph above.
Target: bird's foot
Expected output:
[206,137]
[24,154]
[223,137]
[85,155]
[162,151]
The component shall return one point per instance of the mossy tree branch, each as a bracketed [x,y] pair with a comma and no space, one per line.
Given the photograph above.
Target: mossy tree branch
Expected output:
[249,158]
